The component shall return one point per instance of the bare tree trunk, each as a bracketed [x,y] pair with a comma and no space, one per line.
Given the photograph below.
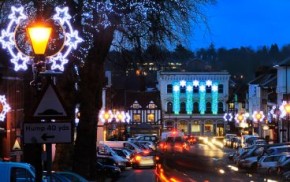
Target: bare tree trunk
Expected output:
[92,79]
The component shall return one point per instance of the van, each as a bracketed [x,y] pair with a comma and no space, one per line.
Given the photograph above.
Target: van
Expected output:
[17,171]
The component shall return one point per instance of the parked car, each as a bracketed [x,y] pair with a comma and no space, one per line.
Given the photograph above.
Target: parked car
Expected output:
[152,138]
[227,139]
[72,176]
[266,162]
[107,170]
[283,167]
[191,139]
[54,177]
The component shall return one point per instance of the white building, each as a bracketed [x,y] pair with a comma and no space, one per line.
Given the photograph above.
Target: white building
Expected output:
[194,102]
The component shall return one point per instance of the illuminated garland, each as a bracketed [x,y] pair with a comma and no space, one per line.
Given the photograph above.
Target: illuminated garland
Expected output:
[189,102]
[214,106]
[202,106]
[4,107]
[176,100]
[19,59]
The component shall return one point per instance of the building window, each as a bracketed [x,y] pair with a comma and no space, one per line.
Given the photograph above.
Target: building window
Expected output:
[231,105]
[221,88]
[182,89]
[220,107]
[195,107]
[151,105]
[182,107]
[136,105]
[169,88]
[150,117]
[208,108]
[208,89]
[195,89]
[137,118]
[169,107]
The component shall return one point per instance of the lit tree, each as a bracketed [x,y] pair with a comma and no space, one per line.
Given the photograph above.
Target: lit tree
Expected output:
[105,25]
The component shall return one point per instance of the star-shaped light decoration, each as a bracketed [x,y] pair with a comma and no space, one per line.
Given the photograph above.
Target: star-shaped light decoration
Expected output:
[228,116]
[58,62]
[20,59]
[208,83]
[182,83]
[214,88]
[195,83]
[4,107]
[62,15]
[73,39]
[127,117]
[6,39]
[17,14]
[176,88]
[189,88]
[202,88]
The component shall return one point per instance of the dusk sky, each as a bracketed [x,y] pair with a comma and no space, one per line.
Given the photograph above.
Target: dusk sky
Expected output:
[249,23]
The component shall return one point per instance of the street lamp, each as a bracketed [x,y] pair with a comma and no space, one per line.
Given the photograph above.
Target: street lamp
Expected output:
[39,36]
[258,116]
[105,117]
[241,120]
[287,109]
[276,114]
[12,38]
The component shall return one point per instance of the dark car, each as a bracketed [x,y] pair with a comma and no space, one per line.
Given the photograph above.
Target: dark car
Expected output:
[107,170]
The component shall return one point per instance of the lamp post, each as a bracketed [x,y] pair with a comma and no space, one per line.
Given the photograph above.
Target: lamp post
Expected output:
[258,116]
[240,119]
[227,118]
[105,117]
[39,35]
[275,114]
[287,109]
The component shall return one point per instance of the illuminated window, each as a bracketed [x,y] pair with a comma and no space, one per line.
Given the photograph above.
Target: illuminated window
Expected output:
[151,105]
[137,117]
[231,105]
[136,105]
[169,88]
[150,117]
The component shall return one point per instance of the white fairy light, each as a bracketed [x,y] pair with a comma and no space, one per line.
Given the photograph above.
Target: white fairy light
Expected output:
[58,60]
[5,107]
[189,88]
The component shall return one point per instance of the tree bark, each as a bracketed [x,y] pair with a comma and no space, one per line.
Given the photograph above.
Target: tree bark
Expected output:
[92,79]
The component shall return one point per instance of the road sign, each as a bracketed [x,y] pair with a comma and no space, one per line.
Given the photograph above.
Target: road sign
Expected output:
[47,132]
[50,105]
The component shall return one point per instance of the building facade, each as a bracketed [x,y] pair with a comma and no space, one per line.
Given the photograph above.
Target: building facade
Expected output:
[194,102]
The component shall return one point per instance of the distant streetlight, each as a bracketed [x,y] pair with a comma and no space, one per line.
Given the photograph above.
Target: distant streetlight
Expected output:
[258,116]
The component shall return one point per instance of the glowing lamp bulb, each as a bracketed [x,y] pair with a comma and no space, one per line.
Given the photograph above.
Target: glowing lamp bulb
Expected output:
[39,37]
[287,108]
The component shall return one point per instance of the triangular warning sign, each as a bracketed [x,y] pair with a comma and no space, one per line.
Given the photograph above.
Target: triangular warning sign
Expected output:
[50,105]
[16,145]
